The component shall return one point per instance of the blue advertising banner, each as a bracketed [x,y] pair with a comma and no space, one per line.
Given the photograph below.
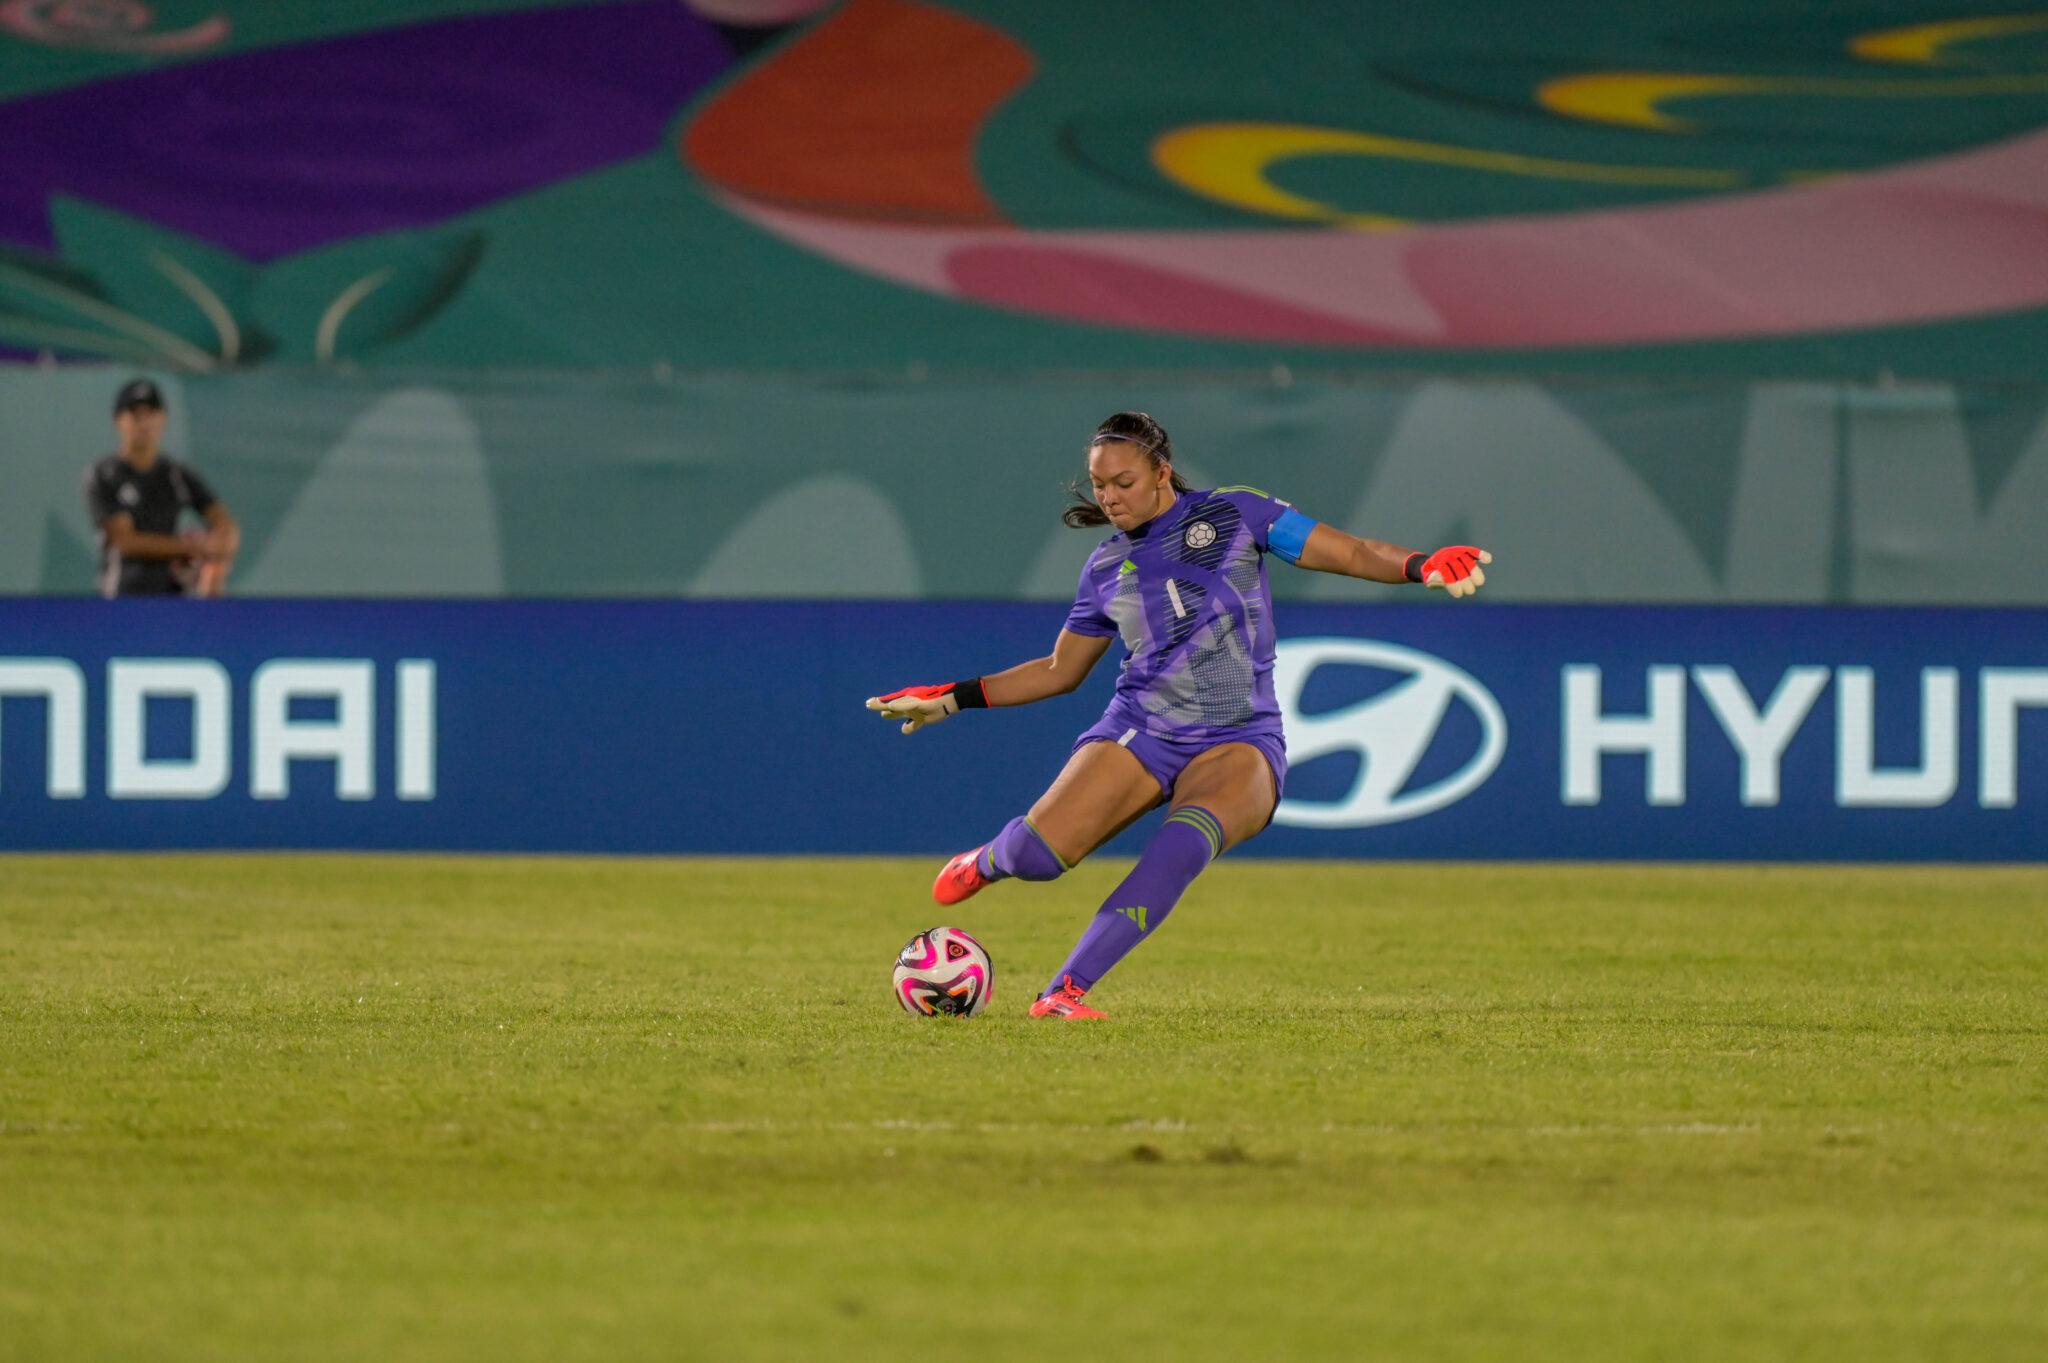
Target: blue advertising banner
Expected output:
[1421,730]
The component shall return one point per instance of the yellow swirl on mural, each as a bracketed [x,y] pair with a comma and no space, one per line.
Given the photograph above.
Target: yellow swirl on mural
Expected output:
[1634,99]
[1927,44]
[1230,163]
[1630,99]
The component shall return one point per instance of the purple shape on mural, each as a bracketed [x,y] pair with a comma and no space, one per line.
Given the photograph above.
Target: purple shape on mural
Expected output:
[276,151]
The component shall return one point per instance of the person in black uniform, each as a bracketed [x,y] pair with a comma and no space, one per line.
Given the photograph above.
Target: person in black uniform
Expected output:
[136,498]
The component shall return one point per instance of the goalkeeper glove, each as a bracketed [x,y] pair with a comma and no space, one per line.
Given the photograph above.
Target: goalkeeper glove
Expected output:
[918,706]
[1455,568]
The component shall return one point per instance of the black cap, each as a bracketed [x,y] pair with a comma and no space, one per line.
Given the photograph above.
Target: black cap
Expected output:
[138,393]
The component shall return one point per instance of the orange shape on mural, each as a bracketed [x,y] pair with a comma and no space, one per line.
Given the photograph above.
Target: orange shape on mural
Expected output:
[872,114]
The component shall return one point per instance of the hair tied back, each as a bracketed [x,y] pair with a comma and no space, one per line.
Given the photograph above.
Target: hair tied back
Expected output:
[1136,428]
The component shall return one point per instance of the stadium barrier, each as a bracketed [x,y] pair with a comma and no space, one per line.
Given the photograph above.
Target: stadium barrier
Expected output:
[864,487]
[1422,730]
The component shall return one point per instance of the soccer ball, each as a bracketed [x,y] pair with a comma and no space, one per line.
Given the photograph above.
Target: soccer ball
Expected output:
[943,970]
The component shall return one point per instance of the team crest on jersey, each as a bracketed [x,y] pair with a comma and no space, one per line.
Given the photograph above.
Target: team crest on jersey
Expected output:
[128,496]
[1200,535]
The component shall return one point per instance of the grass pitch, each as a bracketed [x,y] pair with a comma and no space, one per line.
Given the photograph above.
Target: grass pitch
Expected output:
[407,1108]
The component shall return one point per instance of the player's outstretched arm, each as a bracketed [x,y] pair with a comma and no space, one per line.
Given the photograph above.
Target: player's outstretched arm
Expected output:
[1455,568]
[1073,657]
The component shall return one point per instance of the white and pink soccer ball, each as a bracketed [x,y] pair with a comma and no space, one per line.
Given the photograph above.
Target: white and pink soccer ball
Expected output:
[943,970]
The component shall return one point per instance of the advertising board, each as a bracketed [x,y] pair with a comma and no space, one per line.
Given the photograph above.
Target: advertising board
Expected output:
[1476,731]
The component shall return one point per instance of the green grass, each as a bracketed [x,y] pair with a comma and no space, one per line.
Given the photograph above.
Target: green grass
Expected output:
[399,1108]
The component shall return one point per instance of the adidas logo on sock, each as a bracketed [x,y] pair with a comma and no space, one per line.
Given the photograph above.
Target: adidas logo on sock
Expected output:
[1137,915]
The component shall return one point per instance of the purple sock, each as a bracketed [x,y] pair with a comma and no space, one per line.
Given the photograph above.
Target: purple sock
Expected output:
[1020,851]
[1188,841]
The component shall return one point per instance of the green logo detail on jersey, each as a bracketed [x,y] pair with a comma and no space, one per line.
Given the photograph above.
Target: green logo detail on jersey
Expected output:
[1254,491]
[1129,567]
[1137,915]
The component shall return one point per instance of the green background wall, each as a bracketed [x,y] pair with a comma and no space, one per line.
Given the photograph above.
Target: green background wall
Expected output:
[949,485]
[487,297]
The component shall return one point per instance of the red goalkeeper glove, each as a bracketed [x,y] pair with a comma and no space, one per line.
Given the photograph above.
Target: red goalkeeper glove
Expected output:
[1455,568]
[918,706]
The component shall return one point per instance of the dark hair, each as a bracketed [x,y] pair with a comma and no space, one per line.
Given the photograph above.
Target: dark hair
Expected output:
[1136,428]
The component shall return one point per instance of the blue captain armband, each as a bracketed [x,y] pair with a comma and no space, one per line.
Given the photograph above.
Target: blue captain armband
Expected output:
[1289,534]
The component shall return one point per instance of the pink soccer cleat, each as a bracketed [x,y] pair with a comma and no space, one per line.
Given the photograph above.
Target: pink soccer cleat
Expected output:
[1065,1002]
[961,878]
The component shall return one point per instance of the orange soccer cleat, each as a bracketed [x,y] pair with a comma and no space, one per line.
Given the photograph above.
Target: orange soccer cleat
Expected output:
[1065,1002]
[960,879]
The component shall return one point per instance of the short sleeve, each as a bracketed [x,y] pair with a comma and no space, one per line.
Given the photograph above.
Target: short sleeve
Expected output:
[197,489]
[1275,526]
[99,496]
[1087,616]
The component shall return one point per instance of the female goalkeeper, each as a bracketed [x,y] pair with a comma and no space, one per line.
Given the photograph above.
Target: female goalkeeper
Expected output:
[1194,721]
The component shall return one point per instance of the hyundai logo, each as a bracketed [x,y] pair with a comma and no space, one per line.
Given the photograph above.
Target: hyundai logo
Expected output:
[1390,731]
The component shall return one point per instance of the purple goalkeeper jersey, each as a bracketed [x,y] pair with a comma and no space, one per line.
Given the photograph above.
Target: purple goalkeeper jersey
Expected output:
[1187,593]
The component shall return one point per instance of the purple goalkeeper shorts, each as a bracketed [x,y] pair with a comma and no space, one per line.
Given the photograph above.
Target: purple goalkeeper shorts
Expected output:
[1165,758]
